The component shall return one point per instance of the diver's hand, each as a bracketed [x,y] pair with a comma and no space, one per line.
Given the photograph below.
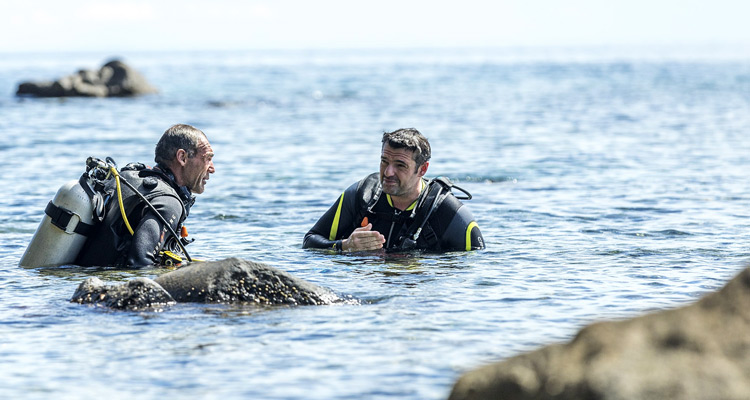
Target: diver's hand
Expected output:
[363,238]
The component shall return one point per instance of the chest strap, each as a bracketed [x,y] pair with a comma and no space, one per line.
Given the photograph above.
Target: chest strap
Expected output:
[438,189]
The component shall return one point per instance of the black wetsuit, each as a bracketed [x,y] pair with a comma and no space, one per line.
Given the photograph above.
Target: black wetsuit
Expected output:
[449,227]
[113,245]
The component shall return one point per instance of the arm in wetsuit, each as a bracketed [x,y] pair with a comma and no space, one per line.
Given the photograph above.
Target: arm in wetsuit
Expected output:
[336,224]
[462,231]
[151,234]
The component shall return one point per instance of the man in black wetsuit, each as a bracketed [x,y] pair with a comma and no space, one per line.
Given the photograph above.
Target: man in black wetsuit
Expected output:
[184,161]
[398,209]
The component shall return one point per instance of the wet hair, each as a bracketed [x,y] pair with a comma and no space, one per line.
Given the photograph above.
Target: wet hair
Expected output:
[411,139]
[177,137]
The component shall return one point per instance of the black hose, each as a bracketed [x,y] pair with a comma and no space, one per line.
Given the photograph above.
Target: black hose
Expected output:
[158,215]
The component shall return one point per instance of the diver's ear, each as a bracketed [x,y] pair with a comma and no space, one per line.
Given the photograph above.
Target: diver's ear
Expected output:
[181,157]
[423,169]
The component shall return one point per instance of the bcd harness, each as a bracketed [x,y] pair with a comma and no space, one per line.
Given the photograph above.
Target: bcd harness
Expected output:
[429,200]
[96,182]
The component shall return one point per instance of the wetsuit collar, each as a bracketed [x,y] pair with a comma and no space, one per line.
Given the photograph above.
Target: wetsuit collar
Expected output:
[183,191]
[414,204]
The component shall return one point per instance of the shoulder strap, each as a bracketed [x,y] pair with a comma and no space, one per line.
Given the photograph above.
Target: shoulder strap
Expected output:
[156,212]
[450,185]
[369,191]
[426,205]
[438,189]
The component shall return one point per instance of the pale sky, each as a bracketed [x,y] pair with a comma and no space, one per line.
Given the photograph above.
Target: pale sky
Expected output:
[133,25]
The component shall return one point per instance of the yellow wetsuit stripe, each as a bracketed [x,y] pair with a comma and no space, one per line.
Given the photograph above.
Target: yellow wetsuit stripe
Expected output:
[335,225]
[411,207]
[471,226]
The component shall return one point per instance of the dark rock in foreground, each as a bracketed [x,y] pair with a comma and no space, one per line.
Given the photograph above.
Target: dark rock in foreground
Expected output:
[114,79]
[701,351]
[228,281]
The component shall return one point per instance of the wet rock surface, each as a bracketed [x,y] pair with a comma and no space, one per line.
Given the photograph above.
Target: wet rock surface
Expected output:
[114,79]
[236,280]
[701,351]
[137,294]
[227,281]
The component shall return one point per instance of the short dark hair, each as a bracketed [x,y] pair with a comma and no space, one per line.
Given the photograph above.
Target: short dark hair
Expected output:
[411,139]
[180,136]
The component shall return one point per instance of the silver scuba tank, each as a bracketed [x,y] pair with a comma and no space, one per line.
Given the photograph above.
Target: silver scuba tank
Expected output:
[61,234]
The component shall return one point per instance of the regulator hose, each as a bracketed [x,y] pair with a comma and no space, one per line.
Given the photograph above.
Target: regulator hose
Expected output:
[116,174]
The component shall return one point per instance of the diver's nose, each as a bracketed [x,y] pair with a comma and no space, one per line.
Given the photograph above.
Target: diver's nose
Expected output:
[389,171]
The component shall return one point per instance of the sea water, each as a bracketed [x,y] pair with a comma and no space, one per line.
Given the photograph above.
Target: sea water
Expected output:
[607,183]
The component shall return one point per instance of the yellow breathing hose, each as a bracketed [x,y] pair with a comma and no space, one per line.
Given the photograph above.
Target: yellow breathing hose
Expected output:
[114,172]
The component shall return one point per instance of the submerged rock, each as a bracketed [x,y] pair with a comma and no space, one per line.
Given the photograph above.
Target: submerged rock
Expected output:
[228,281]
[701,351]
[114,79]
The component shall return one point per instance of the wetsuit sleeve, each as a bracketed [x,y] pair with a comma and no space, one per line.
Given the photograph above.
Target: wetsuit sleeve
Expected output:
[463,232]
[336,224]
[151,234]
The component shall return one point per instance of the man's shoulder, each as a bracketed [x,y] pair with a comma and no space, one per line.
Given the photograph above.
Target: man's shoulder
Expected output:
[368,183]
[157,188]
[455,223]
[453,201]
[151,181]
[451,209]
[449,201]
[362,192]
[370,179]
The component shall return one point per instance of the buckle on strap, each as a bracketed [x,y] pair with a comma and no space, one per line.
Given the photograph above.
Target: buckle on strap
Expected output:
[60,217]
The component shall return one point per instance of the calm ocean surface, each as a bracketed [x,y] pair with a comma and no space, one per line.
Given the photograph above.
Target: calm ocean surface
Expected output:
[606,182]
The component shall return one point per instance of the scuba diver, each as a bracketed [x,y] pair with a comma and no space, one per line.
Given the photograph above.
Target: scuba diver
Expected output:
[397,208]
[184,161]
[130,217]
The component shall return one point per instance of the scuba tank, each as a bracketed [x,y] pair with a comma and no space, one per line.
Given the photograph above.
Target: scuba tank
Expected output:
[68,221]
[77,210]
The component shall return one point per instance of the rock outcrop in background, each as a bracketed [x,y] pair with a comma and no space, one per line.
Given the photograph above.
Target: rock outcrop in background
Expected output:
[227,281]
[114,79]
[701,351]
